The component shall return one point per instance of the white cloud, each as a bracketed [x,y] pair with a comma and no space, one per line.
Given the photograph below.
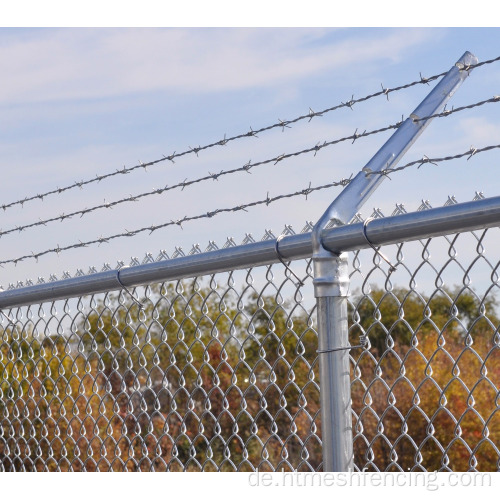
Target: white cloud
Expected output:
[100,63]
[480,131]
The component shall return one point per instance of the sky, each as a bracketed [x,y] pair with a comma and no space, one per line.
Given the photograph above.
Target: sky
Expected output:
[100,96]
[77,103]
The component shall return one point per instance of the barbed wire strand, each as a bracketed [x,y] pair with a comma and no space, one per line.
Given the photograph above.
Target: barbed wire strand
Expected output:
[207,215]
[245,168]
[222,142]
[267,201]
[426,160]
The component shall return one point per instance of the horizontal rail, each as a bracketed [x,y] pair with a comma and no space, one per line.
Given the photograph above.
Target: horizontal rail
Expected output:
[474,215]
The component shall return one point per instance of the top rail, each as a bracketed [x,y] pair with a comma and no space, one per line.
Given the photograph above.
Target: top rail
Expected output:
[474,215]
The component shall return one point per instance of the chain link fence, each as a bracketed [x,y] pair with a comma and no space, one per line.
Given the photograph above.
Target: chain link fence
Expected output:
[212,361]
[220,373]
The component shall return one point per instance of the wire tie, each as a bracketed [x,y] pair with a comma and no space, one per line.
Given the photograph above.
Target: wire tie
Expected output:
[360,346]
[280,257]
[377,251]
[139,304]
[363,342]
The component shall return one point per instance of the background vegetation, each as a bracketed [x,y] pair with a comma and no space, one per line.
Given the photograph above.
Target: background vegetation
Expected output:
[204,378]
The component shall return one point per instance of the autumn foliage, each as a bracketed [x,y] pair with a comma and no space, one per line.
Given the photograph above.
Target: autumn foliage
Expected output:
[204,378]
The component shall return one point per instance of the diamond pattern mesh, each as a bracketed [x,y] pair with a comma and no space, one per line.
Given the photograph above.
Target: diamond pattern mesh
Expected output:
[206,374]
[221,372]
[425,394]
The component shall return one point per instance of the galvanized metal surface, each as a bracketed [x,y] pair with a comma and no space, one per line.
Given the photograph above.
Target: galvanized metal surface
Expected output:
[335,384]
[330,272]
[478,214]
[221,372]
[357,192]
[224,371]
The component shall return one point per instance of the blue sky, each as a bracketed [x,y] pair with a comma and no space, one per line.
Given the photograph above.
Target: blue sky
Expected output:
[81,102]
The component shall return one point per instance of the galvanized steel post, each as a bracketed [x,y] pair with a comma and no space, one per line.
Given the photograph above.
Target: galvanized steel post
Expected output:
[331,275]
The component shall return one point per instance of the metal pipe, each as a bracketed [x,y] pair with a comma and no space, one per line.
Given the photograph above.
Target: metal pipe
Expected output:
[473,215]
[331,274]
[462,217]
[334,372]
[356,193]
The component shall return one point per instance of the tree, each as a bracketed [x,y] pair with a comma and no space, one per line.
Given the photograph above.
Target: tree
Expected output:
[194,375]
[422,395]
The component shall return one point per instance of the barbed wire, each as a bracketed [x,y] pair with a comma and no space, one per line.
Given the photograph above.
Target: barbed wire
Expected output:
[283,124]
[245,168]
[445,112]
[479,64]
[434,161]
[267,201]
[207,215]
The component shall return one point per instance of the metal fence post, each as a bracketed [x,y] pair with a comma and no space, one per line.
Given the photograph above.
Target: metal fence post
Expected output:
[331,275]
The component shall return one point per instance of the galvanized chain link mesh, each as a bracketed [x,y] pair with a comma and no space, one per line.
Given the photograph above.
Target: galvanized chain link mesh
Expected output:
[221,372]
[206,374]
[425,394]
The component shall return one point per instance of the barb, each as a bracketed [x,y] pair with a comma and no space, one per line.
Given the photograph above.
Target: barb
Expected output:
[127,234]
[222,142]
[434,161]
[248,166]
[449,112]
